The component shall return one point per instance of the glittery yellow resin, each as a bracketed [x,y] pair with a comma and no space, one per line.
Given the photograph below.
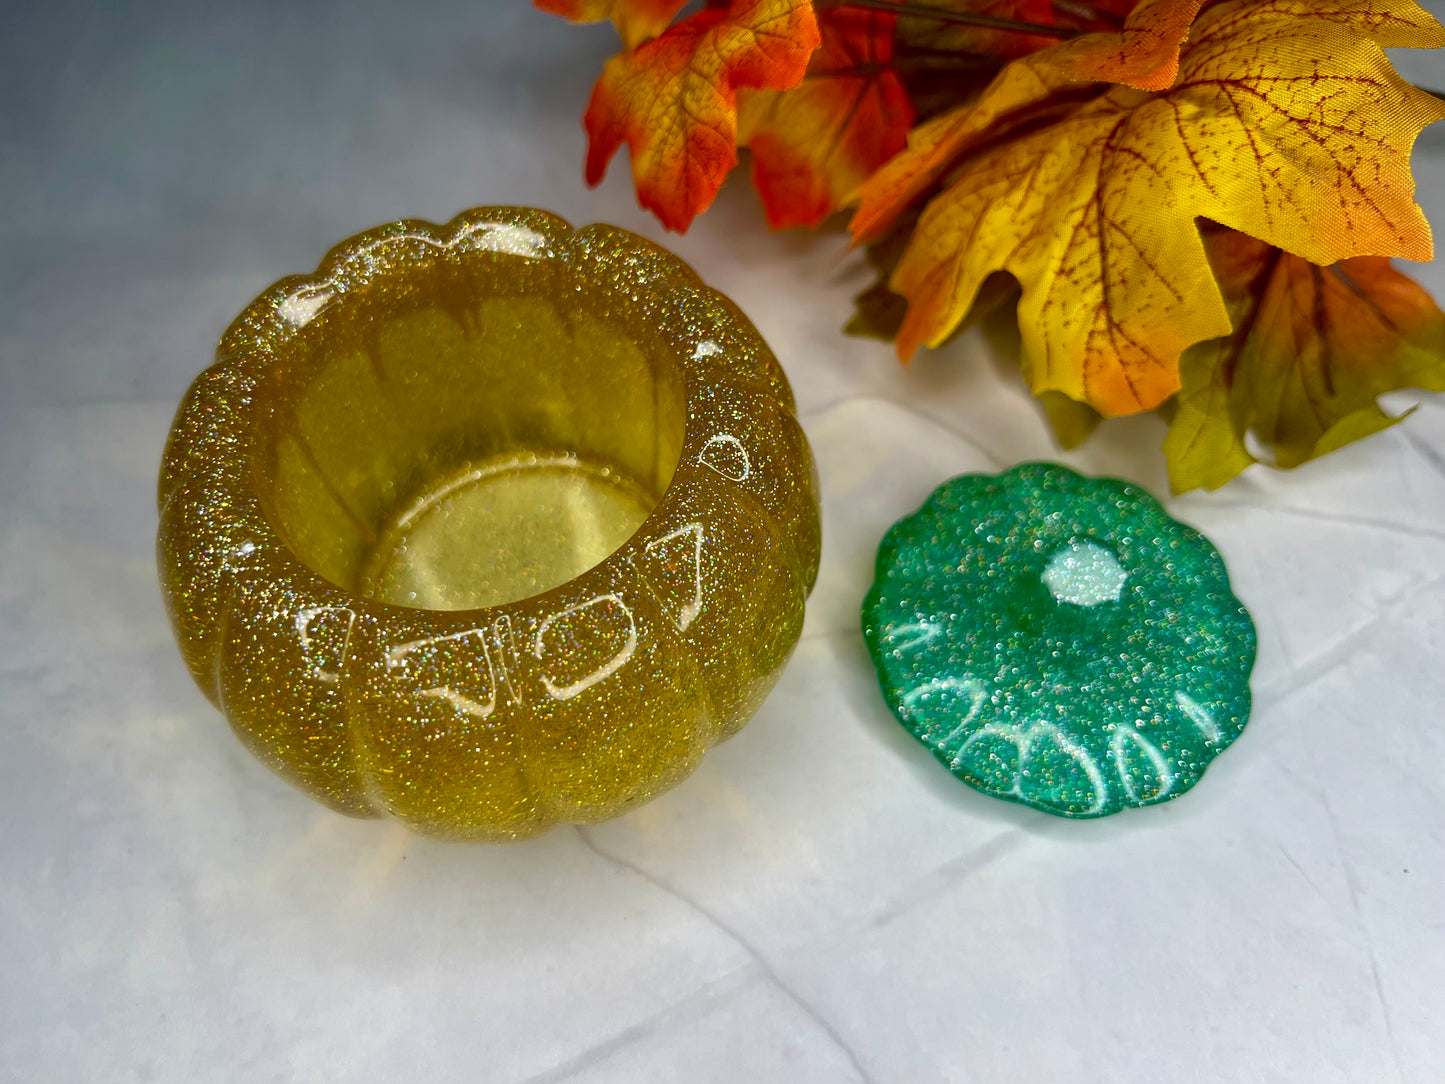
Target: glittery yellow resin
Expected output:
[488,526]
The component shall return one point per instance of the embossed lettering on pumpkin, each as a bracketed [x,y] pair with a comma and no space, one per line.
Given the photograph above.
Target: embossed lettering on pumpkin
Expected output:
[676,572]
[325,636]
[444,668]
[724,454]
[584,644]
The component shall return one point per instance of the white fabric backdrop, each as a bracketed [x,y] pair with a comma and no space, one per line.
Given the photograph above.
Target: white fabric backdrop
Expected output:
[821,902]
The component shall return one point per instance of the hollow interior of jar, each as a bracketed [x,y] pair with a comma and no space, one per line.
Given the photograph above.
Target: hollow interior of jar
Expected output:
[444,442]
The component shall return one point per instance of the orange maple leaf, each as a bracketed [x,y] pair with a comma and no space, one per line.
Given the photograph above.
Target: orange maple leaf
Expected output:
[1312,348]
[636,20]
[673,100]
[812,146]
[1286,121]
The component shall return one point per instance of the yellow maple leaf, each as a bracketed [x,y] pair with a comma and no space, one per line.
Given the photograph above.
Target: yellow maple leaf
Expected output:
[1143,54]
[1285,121]
[1312,348]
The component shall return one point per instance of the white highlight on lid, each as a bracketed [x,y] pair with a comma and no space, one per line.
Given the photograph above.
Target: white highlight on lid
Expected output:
[1198,715]
[1085,574]
[921,632]
[976,691]
[1162,768]
[1023,737]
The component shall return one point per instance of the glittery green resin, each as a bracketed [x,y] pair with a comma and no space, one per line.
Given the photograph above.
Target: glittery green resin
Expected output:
[1059,641]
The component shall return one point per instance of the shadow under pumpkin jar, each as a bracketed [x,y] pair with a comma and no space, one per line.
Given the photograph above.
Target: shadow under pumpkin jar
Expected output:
[488,526]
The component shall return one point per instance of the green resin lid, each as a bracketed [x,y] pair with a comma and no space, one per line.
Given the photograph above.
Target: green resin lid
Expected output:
[1059,641]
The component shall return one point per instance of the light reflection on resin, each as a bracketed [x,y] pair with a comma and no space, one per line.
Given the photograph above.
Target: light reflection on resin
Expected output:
[1084,573]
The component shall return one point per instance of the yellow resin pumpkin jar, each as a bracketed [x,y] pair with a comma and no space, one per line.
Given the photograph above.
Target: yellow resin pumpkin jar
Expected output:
[488,526]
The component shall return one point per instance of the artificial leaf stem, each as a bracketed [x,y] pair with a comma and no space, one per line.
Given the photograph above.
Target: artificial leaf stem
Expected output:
[964,18]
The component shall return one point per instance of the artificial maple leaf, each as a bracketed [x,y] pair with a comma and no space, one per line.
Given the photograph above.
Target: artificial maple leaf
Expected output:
[1143,54]
[1312,348]
[878,312]
[673,100]
[636,20]
[813,145]
[1073,422]
[1286,121]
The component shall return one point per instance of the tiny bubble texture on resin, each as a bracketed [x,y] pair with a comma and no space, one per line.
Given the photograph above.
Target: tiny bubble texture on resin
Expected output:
[1060,641]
